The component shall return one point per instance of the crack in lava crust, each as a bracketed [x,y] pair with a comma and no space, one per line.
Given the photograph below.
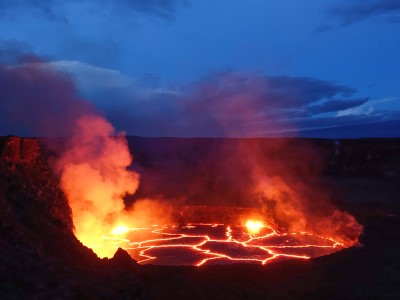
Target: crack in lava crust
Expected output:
[200,244]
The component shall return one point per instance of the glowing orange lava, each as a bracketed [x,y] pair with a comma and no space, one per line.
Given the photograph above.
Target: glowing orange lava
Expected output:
[120,230]
[199,244]
[254,227]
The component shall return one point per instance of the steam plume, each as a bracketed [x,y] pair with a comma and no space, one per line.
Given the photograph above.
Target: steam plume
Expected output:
[95,178]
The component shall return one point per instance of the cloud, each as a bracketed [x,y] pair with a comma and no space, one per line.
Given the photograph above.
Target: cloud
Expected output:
[251,96]
[371,107]
[356,111]
[91,77]
[93,80]
[14,52]
[336,105]
[52,8]
[350,12]
[229,103]
[162,8]
[222,90]
[38,101]
[46,7]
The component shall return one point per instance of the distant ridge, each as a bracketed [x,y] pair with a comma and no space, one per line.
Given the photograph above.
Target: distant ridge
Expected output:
[388,129]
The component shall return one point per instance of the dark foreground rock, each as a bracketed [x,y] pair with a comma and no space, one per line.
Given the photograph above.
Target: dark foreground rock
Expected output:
[40,258]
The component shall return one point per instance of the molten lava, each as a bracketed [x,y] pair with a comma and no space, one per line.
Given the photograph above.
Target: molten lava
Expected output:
[199,244]
[120,230]
[254,227]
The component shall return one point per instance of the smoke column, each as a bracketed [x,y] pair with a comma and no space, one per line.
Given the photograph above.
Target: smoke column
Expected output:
[95,179]
[261,171]
[38,100]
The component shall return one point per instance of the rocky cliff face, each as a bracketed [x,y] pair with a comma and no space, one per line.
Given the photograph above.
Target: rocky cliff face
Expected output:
[19,150]
[39,254]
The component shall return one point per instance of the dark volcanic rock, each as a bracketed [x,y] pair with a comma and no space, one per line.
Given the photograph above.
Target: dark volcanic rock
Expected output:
[122,259]
[19,150]
[367,158]
[40,258]
[179,168]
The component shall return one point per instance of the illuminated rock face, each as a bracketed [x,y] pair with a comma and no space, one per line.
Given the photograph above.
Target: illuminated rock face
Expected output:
[39,254]
[31,190]
[19,150]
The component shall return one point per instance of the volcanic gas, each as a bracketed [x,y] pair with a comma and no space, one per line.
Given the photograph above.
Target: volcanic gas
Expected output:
[283,219]
[95,179]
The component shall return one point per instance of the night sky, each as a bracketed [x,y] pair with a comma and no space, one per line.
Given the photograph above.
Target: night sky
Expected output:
[204,68]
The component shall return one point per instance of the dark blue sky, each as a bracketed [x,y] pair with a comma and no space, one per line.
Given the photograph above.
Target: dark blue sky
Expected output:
[211,67]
